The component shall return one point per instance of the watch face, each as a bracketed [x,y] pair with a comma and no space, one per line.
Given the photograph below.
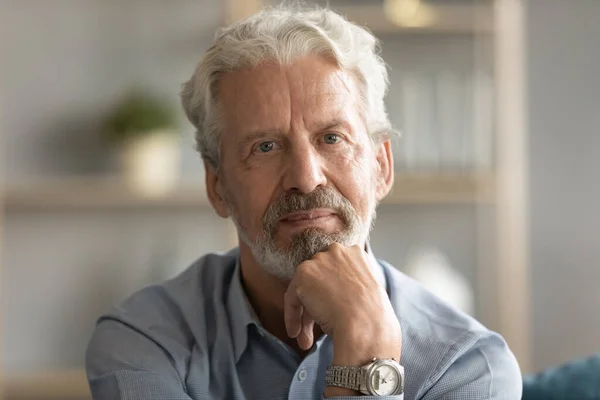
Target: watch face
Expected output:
[385,380]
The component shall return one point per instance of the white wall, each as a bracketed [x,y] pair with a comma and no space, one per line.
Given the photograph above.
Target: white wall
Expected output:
[564,154]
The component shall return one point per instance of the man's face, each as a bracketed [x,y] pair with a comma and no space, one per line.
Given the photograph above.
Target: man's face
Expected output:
[298,169]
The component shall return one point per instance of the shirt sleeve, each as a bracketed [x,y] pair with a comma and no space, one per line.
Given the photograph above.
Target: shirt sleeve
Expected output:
[481,369]
[123,363]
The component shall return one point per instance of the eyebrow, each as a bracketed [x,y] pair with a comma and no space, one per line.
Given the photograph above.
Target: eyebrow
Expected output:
[335,123]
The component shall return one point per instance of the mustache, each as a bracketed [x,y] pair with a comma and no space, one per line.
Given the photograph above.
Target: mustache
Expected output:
[291,202]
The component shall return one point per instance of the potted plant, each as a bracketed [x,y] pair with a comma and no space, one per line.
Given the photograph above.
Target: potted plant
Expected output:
[144,127]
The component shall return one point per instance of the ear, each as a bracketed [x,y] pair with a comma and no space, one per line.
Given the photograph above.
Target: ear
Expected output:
[385,168]
[215,190]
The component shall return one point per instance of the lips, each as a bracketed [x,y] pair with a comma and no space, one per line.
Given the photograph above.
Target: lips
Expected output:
[307,215]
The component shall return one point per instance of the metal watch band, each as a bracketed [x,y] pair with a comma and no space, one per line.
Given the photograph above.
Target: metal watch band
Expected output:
[346,377]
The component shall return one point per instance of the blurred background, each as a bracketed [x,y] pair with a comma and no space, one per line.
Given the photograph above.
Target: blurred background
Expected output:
[494,208]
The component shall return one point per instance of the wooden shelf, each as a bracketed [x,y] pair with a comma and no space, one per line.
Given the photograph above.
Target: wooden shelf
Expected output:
[100,194]
[97,193]
[51,385]
[441,189]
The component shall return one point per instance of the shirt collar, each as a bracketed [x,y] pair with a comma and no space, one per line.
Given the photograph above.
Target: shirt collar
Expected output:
[242,315]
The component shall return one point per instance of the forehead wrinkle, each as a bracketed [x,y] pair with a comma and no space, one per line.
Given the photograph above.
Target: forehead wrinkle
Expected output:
[331,109]
[337,89]
[326,99]
[256,96]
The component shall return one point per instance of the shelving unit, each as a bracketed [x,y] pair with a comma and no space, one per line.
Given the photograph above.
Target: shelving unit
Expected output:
[86,193]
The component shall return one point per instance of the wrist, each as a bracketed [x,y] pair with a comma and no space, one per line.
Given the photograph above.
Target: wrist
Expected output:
[365,332]
[356,345]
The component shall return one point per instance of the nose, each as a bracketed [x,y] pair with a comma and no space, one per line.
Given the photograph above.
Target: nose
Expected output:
[303,170]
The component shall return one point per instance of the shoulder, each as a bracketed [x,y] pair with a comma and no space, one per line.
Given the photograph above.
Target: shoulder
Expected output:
[171,303]
[166,319]
[424,312]
[441,343]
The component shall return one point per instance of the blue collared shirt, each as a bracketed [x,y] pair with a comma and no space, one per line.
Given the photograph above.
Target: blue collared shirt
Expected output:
[197,337]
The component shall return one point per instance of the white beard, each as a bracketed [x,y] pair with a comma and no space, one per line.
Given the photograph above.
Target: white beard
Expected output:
[282,263]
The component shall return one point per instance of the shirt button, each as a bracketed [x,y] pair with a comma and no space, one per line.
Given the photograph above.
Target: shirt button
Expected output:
[302,374]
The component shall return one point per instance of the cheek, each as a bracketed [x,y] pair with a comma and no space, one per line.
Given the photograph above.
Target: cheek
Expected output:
[359,163]
[355,176]
[250,200]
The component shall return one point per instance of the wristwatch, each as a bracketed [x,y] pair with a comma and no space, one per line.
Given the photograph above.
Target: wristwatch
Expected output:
[381,377]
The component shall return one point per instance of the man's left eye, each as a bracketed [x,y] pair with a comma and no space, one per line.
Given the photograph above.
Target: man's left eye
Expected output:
[331,138]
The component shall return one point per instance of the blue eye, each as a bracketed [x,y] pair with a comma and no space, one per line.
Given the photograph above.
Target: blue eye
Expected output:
[331,138]
[266,147]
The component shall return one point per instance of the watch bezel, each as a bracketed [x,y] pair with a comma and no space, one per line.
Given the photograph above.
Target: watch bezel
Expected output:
[399,389]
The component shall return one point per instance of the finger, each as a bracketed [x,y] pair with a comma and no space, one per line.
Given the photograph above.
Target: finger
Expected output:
[292,311]
[306,337]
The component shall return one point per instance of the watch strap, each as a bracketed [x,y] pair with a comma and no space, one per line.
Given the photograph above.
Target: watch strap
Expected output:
[345,377]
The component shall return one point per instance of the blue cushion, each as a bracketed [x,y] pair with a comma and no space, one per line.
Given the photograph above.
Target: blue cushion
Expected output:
[577,380]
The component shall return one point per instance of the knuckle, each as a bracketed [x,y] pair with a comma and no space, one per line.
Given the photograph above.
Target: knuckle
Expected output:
[303,269]
[295,291]
[307,274]
[336,247]
[300,291]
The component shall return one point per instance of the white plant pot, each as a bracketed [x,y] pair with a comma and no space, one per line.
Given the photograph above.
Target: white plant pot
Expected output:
[150,162]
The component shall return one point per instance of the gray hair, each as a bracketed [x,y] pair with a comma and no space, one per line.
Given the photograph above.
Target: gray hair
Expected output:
[284,34]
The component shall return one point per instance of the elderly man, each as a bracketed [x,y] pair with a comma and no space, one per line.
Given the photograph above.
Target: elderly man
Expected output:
[291,124]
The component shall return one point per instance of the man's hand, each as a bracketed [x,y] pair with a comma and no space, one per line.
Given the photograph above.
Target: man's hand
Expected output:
[336,290]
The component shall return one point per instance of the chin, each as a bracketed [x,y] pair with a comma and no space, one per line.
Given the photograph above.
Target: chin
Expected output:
[285,243]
